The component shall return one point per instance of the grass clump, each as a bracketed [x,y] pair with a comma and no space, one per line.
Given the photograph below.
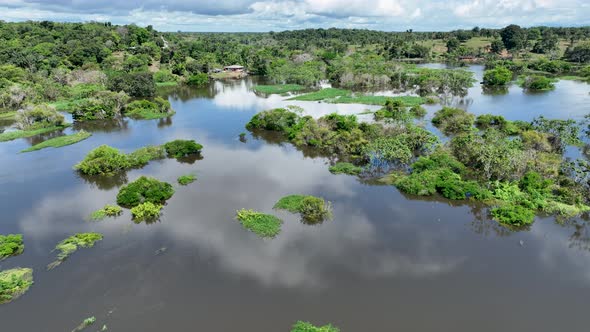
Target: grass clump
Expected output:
[107,211]
[514,215]
[106,160]
[186,179]
[143,155]
[537,83]
[301,326]
[144,189]
[60,141]
[14,283]
[322,94]
[341,96]
[312,209]
[182,148]
[345,168]
[72,244]
[264,225]
[278,88]
[11,245]
[149,110]
[146,211]
[12,135]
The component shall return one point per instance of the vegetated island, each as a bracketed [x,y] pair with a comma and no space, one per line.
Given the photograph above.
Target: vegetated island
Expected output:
[313,210]
[107,211]
[263,225]
[11,245]
[145,196]
[14,283]
[70,245]
[60,141]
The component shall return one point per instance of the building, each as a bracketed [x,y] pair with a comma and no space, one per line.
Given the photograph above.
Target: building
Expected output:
[234,68]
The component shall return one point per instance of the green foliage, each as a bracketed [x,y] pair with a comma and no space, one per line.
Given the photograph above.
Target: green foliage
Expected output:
[322,95]
[135,84]
[14,283]
[60,141]
[144,189]
[104,160]
[498,76]
[146,211]
[11,245]
[579,53]
[278,119]
[278,88]
[312,209]
[143,155]
[200,79]
[486,121]
[149,110]
[102,105]
[345,168]
[164,76]
[264,225]
[514,215]
[187,179]
[340,96]
[538,83]
[106,211]
[301,326]
[12,135]
[567,132]
[453,120]
[72,244]
[182,148]
[39,117]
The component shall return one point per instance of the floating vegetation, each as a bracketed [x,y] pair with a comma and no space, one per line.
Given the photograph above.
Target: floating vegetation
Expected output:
[8,115]
[182,148]
[144,189]
[340,96]
[85,323]
[12,135]
[345,168]
[264,225]
[147,211]
[187,179]
[11,245]
[149,110]
[14,283]
[106,211]
[60,141]
[278,88]
[72,244]
[106,160]
[313,210]
[301,326]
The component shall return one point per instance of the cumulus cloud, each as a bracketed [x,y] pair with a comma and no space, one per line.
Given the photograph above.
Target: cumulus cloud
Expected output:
[265,15]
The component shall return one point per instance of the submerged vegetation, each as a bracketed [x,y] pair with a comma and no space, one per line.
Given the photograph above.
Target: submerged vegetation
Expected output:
[301,326]
[340,96]
[11,245]
[60,141]
[186,179]
[264,225]
[278,88]
[142,190]
[72,244]
[107,211]
[312,209]
[12,135]
[14,283]
[85,323]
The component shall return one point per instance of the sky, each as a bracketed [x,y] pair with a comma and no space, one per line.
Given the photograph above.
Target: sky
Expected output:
[279,15]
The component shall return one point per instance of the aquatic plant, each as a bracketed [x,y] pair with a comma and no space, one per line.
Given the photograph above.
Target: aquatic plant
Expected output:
[106,160]
[100,105]
[301,326]
[11,245]
[72,244]
[182,148]
[144,189]
[312,209]
[38,117]
[143,155]
[106,211]
[60,141]
[514,215]
[12,135]
[453,120]
[278,88]
[538,83]
[85,323]
[146,211]
[264,225]
[149,110]
[14,283]
[345,168]
[186,179]
[497,77]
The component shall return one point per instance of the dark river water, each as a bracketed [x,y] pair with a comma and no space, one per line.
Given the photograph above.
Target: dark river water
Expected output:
[386,262]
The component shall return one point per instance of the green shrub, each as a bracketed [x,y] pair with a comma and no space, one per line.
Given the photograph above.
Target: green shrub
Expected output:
[142,156]
[264,225]
[144,189]
[148,110]
[312,209]
[37,117]
[103,160]
[163,76]
[106,211]
[279,119]
[345,168]
[538,83]
[104,105]
[421,184]
[497,77]
[182,148]
[308,327]
[11,245]
[146,211]
[14,283]
[453,120]
[200,79]
[514,215]
[418,111]
[186,179]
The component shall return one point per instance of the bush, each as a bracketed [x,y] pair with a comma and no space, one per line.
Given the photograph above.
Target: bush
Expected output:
[498,76]
[146,211]
[200,79]
[312,209]
[186,179]
[104,105]
[182,148]
[14,283]
[453,120]
[104,160]
[279,119]
[308,327]
[418,111]
[144,189]
[106,211]
[345,168]
[514,215]
[538,83]
[136,84]
[163,76]
[264,225]
[11,245]
[142,156]
[37,117]
[145,109]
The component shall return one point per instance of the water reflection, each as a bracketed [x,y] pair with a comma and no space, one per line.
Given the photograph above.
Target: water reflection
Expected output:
[105,126]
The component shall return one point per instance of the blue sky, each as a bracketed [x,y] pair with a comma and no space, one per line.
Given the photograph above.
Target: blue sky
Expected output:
[277,15]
